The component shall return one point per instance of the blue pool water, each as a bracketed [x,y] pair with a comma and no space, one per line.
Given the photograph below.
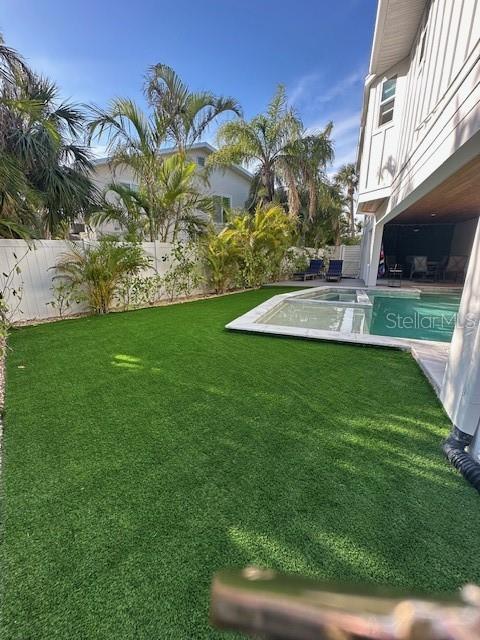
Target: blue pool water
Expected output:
[402,314]
[430,317]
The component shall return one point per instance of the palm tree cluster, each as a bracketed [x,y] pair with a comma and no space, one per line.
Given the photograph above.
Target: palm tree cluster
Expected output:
[169,195]
[46,172]
[44,169]
[290,163]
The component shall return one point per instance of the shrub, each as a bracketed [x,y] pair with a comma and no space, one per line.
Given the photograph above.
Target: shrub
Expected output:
[220,254]
[296,260]
[184,275]
[262,241]
[95,274]
[63,295]
[250,250]
[145,290]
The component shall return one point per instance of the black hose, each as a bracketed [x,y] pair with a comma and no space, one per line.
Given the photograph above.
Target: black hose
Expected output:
[454,449]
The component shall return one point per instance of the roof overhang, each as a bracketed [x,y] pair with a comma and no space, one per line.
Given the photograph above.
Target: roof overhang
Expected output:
[395,28]
[198,146]
[396,25]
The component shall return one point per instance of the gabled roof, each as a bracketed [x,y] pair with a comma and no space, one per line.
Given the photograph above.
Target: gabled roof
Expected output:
[395,28]
[198,146]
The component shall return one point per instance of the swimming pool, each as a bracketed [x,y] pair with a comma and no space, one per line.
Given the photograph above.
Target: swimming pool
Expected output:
[375,316]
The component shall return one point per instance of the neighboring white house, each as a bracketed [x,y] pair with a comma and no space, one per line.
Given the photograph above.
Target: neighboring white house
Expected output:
[229,186]
[419,162]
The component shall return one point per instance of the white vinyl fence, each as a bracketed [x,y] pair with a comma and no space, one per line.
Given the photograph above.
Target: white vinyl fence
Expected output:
[350,254]
[31,270]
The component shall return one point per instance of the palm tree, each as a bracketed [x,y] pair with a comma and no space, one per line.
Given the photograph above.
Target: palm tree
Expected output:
[11,64]
[44,172]
[167,188]
[120,203]
[133,140]
[180,203]
[96,273]
[347,178]
[186,115]
[303,164]
[261,241]
[261,141]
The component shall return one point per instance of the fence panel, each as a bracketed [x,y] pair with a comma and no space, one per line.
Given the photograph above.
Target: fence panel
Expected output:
[36,272]
[351,260]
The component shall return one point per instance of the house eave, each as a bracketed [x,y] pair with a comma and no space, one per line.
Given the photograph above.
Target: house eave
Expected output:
[198,146]
[395,28]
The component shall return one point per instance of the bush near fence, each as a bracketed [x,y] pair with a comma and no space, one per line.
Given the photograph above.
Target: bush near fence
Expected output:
[30,293]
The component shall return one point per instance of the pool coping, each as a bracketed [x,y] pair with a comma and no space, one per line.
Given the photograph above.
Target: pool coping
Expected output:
[248,322]
[421,350]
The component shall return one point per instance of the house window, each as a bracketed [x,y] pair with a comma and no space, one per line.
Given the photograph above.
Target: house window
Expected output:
[222,207]
[200,161]
[387,101]
[130,185]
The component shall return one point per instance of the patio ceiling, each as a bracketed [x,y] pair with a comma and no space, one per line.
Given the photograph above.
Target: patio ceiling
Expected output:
[455,200]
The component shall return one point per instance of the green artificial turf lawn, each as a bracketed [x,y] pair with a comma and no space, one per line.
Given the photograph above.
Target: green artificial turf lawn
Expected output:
[145,450]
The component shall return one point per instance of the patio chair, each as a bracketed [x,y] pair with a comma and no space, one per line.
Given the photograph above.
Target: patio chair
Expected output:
[419,267]
[315,269]
[455,265]
[334,270]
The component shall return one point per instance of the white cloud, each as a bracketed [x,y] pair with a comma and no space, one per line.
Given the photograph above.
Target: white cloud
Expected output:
[303,88]
[319,102]
[342,86]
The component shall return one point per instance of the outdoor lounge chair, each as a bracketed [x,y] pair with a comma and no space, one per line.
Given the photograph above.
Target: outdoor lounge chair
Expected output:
[315,269]
[456,267]
[334,270]
[420,267]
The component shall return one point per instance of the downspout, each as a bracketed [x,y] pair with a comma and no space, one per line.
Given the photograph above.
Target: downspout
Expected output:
[455,450]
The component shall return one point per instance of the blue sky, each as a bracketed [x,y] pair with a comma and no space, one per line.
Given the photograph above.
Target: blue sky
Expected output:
[96,50]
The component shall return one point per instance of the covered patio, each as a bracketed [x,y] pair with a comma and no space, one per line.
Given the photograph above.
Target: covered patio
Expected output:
[432,239]
[431,235]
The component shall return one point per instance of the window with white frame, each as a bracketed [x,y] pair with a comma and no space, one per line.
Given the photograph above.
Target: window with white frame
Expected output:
[201,161]
[387,101]
[222,207]
[133,186]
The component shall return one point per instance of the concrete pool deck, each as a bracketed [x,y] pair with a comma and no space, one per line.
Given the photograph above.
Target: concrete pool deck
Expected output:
[431,356]
[425,285]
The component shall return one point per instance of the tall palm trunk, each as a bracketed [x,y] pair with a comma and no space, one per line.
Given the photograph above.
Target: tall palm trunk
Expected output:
[352,213]
[312,199]
[268,179]
[293,197]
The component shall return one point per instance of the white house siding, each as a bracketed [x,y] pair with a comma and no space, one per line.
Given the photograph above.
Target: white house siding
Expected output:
[231,182]
[379,160]
[443,107]
[434,133]
[437,105]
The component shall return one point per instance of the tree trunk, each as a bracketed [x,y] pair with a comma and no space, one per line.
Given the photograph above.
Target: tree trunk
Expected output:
[268,179]
[352,216]
[312,200]
[293,197]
